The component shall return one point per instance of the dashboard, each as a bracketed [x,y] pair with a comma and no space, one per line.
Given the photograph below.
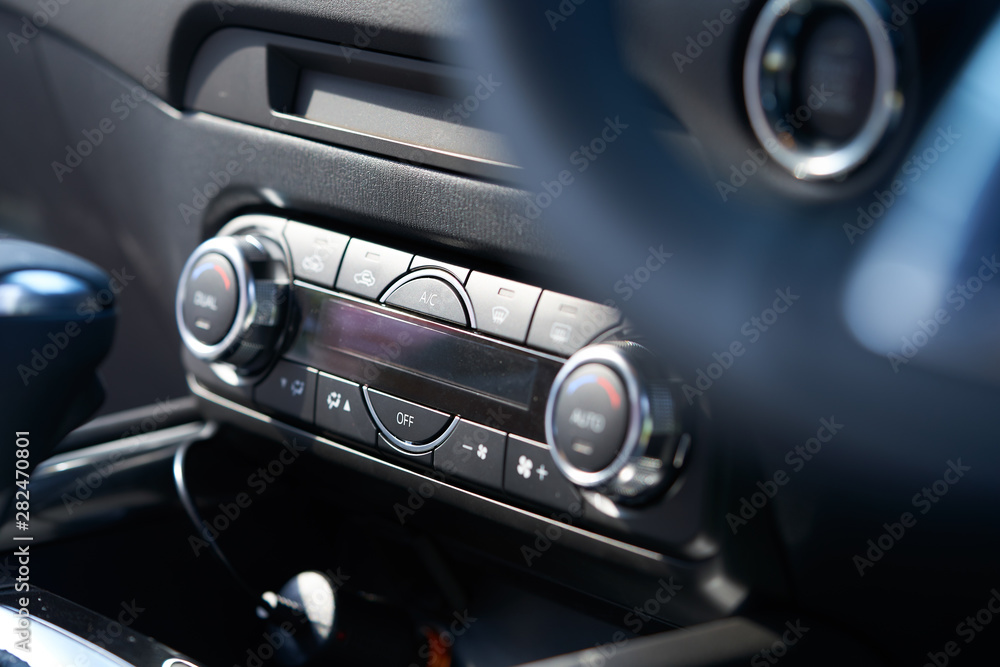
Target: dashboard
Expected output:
[501,333]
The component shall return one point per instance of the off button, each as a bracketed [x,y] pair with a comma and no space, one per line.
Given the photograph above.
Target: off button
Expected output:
[408,422]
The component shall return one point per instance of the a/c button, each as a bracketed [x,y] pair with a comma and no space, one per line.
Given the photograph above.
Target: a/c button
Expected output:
[407,421]
[429,296]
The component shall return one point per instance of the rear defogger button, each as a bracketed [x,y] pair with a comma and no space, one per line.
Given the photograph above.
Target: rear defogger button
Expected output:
[410,427]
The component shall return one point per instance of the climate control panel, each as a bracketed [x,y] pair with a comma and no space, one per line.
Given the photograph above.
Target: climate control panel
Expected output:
[514,391]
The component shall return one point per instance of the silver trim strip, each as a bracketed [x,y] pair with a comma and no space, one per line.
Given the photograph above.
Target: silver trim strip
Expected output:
[222,402]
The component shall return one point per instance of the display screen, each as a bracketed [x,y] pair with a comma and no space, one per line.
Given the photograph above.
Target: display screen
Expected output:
[432,353]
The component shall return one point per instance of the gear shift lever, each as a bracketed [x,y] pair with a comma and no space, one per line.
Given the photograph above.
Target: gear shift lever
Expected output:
[57,319]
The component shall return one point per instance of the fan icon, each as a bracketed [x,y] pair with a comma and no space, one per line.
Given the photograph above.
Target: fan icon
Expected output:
[524,466]
[481,452]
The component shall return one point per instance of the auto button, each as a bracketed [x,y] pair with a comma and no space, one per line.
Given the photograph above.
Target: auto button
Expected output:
[411,427]
[590,417]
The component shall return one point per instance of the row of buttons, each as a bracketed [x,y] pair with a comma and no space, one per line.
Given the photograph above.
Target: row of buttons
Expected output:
[471,452]
[503,308]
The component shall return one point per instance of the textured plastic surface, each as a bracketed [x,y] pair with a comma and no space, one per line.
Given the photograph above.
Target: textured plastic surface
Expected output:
[383,104]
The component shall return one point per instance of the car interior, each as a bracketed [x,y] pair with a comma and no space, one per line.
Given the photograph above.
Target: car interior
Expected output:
[481,333]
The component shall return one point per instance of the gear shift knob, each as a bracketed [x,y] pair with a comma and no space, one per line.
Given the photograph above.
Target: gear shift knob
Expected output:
[57,320]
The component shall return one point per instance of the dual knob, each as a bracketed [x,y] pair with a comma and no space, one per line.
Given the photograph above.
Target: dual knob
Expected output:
[231,301]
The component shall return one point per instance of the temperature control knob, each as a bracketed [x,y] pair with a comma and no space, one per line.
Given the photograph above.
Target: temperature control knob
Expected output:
[231,300]
[611,421]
